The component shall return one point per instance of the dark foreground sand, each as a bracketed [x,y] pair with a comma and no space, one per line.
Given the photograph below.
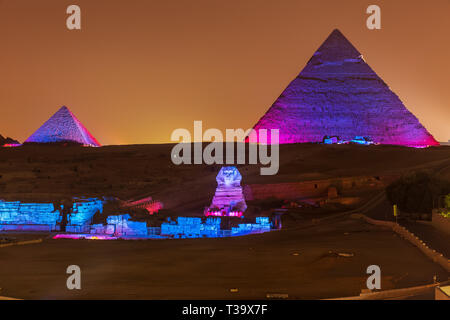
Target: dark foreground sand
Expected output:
[209,268]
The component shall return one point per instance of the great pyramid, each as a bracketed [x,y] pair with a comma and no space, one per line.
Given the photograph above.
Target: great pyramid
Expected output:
[63,126]
[338,94]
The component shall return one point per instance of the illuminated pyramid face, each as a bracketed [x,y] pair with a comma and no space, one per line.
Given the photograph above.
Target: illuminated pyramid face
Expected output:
[338,94]
[229,191]
[63,126]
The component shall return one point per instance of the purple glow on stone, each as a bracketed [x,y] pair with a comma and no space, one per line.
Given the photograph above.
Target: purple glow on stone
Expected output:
[17,215]
[63,126]
[338,94]
[228,195]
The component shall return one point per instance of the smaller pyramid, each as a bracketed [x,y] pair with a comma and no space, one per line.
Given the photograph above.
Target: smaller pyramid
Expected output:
[8,141]
[63,126]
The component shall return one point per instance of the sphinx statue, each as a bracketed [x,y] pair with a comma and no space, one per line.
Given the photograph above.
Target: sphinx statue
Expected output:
[228,197]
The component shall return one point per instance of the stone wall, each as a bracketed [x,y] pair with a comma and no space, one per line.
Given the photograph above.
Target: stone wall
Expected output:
[29,227]
[15,215]
[440,294]
[124,227]
[437,257]
[191,228]
[313,188]
[262,225]
[397,294]
[194,228]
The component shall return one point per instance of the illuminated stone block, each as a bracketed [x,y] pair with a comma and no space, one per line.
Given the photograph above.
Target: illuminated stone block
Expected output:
[123,226]
[189,227]
[84,209]
[18,213]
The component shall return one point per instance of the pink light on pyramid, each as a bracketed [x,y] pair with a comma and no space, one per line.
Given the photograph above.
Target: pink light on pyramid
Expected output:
[63,126]
[338,94]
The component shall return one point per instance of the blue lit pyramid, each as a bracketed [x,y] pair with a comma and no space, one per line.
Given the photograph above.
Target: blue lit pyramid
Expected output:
[63,126]
[338,94]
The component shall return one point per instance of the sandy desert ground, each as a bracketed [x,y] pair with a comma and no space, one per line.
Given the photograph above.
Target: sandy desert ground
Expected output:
[209,268]
[299,260]
[49,172]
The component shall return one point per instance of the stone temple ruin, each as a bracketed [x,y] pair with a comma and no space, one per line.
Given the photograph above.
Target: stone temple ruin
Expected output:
[121,226]
[229,198]
[22,216]
[75,218]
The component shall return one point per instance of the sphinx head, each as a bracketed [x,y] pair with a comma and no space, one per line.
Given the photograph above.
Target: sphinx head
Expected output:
[229,177]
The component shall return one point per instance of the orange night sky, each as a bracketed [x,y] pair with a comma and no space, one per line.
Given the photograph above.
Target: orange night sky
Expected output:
[140,69]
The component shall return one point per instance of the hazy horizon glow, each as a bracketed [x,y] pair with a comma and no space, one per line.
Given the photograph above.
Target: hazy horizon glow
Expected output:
[140,69]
